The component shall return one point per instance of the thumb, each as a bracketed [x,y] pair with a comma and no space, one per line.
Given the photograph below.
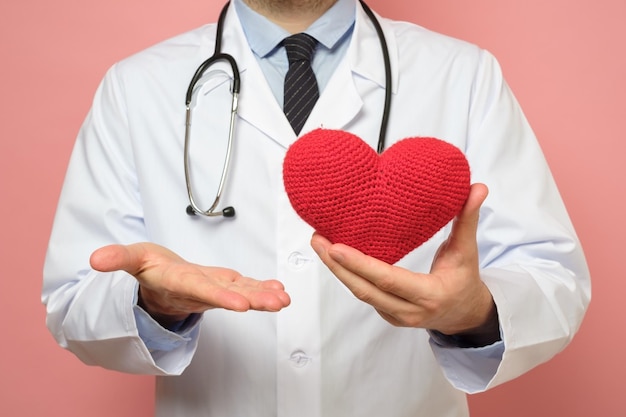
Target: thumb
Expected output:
[466,223]
[129,258]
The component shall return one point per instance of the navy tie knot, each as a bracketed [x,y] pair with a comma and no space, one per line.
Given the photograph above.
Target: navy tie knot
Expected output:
[299,47]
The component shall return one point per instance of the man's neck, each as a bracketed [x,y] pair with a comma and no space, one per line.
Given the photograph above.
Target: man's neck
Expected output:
[292,15]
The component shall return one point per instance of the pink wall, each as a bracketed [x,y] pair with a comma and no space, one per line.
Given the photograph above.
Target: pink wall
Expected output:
[564,59]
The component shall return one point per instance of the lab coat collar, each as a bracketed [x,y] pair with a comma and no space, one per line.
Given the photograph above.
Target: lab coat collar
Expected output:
[365,53]
[257,105]
[340,101]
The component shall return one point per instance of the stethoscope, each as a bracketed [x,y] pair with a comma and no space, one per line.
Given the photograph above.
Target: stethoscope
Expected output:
[193,208]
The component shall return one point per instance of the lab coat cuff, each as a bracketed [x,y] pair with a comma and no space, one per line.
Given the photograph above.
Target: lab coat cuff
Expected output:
[158,338]
[468,369]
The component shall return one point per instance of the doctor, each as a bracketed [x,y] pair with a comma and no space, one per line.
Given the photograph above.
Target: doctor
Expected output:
[258,316]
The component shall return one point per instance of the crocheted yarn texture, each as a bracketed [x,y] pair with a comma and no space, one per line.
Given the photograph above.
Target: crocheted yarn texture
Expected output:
[383,205]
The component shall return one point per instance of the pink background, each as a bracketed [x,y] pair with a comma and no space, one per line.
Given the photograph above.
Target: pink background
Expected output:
[564,59]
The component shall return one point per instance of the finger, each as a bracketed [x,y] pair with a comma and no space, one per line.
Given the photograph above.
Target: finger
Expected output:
[227,289]
[245,298]
[267,293]
[370,280]
[268,301]
[384,276]
[271,284]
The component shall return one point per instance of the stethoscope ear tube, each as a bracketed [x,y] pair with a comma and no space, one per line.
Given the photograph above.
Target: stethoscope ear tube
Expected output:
[205,65]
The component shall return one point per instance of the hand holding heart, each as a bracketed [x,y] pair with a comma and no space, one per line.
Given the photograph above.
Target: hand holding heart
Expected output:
[370,210]
[451,299]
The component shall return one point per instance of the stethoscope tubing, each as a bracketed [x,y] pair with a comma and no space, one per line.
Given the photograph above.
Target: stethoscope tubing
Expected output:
[388,90]
[217,56]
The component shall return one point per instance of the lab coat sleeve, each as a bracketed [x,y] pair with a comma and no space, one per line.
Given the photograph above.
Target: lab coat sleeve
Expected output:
[530,257]
[90,313]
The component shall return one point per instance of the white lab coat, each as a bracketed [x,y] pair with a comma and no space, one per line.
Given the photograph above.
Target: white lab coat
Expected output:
[327,354]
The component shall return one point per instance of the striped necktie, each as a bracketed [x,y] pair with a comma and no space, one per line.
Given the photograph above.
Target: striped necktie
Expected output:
[301,91]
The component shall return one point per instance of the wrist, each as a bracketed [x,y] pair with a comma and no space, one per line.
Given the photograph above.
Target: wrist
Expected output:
[168,319]
[487,333]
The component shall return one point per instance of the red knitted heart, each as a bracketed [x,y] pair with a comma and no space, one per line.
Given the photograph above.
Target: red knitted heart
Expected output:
[384,206]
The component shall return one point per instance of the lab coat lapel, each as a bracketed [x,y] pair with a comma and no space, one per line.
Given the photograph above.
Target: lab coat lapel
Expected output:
[257,105]
[362,69]
[260,109]
[342,99]
[338,104]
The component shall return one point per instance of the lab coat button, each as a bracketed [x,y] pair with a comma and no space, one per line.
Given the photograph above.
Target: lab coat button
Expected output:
[297,261]
[299,359]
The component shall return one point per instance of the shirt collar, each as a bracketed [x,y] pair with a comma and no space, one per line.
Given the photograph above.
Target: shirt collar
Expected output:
[263,35]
